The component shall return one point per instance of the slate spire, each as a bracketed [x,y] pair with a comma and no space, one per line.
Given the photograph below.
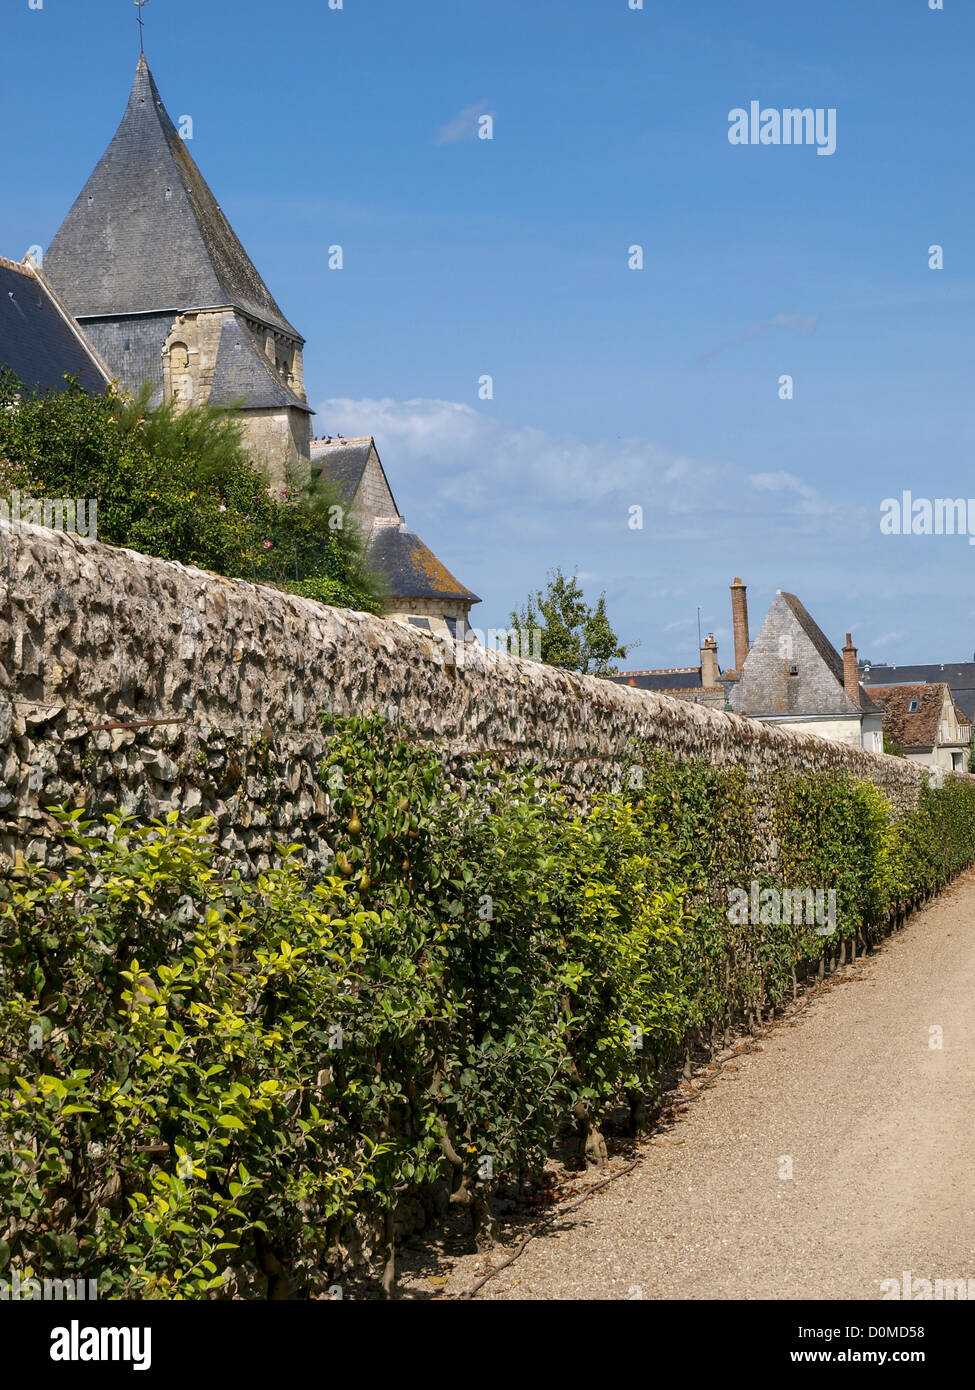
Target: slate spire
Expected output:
[147,235]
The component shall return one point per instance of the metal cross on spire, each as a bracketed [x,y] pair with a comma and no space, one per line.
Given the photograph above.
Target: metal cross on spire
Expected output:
[139,4]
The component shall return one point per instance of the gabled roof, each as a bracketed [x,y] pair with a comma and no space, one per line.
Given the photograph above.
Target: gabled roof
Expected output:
[792,670]
[917,729]
[958,675]
[409,568]
[147,234]
[243,373]
[343,462]
[826,649]
[39,340]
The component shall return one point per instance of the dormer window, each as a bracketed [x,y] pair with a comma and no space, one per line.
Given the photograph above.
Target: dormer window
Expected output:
[793,670]
[913,706]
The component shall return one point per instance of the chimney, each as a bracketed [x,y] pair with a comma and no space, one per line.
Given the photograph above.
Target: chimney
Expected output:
[710,670]
[851,675]
[739,618]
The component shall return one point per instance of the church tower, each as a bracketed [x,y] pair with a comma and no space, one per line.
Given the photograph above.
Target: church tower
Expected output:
[165,292]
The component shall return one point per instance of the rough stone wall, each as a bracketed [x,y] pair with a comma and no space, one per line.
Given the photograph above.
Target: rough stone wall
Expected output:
[200,334]
[219,684]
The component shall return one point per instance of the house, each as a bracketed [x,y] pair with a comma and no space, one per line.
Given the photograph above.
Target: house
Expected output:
[792,675]
[958,676]
[925,724]
[421,590]
[40,342]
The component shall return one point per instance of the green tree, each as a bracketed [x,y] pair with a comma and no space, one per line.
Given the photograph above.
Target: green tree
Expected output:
[181,485]
[574,635]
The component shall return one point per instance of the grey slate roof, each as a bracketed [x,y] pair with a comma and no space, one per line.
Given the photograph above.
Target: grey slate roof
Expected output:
[409,568]
[132,349]
[39,341]
[346,464]
[790,640]
[959,677]
[826,650]
[147,234]
[342,464]
[243,373]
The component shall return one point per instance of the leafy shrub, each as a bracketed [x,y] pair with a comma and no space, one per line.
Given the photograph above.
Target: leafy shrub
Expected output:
[165,1045]
[181,486]
[206,1082]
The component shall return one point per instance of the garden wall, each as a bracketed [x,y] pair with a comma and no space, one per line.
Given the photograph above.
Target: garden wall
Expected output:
[133,684]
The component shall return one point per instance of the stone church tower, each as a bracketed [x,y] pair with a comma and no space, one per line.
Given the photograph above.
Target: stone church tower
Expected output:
[165,292]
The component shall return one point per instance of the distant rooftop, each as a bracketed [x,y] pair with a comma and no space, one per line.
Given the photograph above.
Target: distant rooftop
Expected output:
[959,676]
[912,712]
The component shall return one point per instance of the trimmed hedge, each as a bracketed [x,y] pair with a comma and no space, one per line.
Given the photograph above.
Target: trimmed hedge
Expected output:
[209,1086]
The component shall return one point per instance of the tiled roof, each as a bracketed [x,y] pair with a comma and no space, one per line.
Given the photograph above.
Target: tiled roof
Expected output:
[132,349]
[409,568]
[959,677]
[911,730]
[146,233]
[243,373]
[39,341]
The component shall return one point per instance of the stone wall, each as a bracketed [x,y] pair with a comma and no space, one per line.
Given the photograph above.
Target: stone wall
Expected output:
[134,684]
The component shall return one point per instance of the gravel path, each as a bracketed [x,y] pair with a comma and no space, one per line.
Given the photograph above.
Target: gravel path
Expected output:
[879,1127]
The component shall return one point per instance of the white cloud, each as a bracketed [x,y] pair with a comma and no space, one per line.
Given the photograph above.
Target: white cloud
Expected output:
[888,638]
[503,504]
[797,499]
[802,325]
[464,124]
[479,463]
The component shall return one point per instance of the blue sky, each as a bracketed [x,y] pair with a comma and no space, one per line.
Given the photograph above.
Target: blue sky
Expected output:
[612,387]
